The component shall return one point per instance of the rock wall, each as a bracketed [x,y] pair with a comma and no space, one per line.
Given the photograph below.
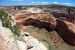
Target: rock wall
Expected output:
[66,30]
[41,20]
[50,22]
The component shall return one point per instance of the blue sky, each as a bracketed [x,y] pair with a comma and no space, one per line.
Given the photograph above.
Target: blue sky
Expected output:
[34,2]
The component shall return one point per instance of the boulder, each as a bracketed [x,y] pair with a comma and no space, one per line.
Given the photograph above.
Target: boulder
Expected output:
[66,30]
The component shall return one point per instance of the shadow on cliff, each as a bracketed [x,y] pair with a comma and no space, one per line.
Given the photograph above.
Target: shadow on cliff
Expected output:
[68,35]
[39,24]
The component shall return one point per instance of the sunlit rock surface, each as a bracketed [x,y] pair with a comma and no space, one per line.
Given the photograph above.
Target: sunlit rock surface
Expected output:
[10,41]
[41,20]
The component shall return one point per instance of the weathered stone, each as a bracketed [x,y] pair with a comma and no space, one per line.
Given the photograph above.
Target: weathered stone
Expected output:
[69,17]
[2,44]
[67,31]
[7,39]
[43,20]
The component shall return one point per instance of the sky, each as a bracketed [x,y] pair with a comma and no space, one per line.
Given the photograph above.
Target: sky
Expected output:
[36,2]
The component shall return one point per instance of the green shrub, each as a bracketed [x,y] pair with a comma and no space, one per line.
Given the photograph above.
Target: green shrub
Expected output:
[7,22]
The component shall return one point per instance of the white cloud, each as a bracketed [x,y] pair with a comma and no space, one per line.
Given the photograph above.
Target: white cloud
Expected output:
[44,2]
[56,3]
[32,2]
[67,3]
[63,3]
[39,2]
[36,2]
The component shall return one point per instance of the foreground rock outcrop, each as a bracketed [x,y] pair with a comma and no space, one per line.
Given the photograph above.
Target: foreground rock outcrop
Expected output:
[11,38]
[9,42]
[67,30]
[48,21]
[2,44]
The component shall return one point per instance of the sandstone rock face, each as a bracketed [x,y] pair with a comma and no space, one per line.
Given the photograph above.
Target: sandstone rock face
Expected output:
[67,31]
[7,40]
[2,44]
[43,20]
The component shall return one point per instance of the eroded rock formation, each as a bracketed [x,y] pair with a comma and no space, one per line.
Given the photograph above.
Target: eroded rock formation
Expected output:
[41,20]
[66,29]
[69,17]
